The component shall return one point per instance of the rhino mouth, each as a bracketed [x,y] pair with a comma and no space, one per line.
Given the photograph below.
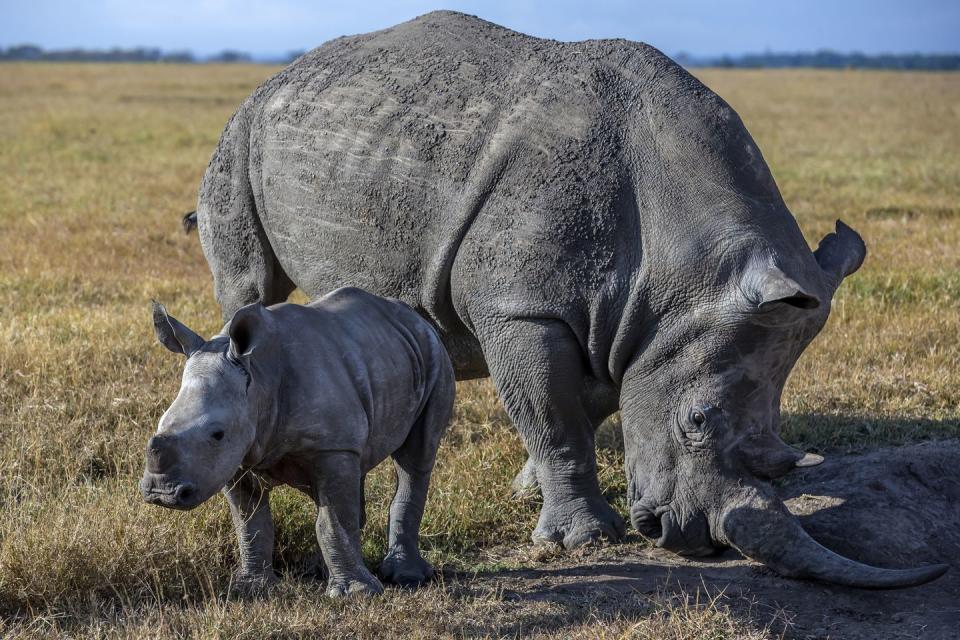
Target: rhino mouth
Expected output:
[183,495]
[647,520]
[668,531]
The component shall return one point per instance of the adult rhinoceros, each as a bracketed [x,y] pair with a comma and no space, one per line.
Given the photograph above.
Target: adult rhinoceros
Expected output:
[584,222]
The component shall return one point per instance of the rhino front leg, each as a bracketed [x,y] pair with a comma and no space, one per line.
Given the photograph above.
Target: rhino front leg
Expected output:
[249,501]
[601,402]
[537,366]
[338,494]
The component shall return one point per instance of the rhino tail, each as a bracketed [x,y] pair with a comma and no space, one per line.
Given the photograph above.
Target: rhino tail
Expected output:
[189,221]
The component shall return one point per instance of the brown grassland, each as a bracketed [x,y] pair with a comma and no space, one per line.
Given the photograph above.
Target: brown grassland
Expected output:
[97,163]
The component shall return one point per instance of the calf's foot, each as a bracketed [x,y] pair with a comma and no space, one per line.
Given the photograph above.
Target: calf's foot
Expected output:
[359,583]
[405,567]
[248,583]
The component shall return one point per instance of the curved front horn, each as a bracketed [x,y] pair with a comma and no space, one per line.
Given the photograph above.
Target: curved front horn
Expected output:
[763,529]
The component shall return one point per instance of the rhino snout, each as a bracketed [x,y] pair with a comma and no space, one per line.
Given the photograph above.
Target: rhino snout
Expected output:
[182,495]
[688,536]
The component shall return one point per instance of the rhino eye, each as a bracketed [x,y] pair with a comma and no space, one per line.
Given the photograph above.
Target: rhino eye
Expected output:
[698,417]
[217,435]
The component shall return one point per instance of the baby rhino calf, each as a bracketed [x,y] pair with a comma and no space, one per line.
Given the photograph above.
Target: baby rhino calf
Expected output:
[313,397]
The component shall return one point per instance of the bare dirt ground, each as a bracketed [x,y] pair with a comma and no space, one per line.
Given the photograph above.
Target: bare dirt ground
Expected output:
[892,507]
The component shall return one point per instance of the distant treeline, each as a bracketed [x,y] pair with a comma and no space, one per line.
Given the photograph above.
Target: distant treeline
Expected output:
[817,59]
[33,53]
[826,59]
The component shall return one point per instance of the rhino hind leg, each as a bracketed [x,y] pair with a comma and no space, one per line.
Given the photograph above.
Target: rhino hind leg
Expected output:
[244,266]
[537,367]
[403,564]
[245,269]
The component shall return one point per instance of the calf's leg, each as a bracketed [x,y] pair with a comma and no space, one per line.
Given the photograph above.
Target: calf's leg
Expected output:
[414,461]
[337,493]
[249,502]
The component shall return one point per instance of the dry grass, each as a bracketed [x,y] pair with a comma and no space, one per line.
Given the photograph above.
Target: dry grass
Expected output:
[98,162]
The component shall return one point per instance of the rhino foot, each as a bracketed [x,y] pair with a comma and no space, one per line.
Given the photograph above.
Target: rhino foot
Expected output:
[253,584]
[578,522]
[405,569]
[360,584]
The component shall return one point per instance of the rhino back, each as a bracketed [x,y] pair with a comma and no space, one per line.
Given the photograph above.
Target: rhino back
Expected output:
[379,160]
[372,154]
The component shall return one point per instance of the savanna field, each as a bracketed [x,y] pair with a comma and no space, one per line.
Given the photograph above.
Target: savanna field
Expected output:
[98,163]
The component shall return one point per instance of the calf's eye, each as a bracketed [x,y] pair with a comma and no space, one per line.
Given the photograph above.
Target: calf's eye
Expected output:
[217,435]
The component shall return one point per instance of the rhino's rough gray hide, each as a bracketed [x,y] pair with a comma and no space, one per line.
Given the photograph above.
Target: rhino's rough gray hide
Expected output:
[586,223]
[313,397]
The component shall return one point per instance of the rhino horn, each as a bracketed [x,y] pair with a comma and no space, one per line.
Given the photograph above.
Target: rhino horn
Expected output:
[840,253]
[761,528]
[767,456]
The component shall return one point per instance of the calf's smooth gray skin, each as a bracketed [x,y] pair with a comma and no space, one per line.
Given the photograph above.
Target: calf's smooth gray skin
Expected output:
[584,222]
[313,397]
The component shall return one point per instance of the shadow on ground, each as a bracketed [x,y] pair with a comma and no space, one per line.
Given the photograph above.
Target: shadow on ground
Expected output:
[894,507]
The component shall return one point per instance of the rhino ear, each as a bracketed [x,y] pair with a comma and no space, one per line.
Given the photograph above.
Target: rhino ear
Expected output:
[840,253]
[173,334]
[776,290]
[248,330]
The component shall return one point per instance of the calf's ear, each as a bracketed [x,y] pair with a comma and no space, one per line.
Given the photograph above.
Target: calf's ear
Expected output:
[840,253]
[172,333]
[248,330]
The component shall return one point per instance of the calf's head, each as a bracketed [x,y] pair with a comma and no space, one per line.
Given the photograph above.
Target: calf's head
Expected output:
[203,438]
[701,416]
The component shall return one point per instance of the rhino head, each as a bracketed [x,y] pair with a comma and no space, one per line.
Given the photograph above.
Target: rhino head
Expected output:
[701,411]
[212,425]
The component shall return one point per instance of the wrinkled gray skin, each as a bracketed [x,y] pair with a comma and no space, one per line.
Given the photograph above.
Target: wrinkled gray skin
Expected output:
[584,222]
[313,397]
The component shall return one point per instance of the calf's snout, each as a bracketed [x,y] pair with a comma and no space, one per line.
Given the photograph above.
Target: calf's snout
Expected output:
[174,495]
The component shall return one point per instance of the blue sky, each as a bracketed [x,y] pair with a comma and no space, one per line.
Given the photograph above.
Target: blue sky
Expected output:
[699,27]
